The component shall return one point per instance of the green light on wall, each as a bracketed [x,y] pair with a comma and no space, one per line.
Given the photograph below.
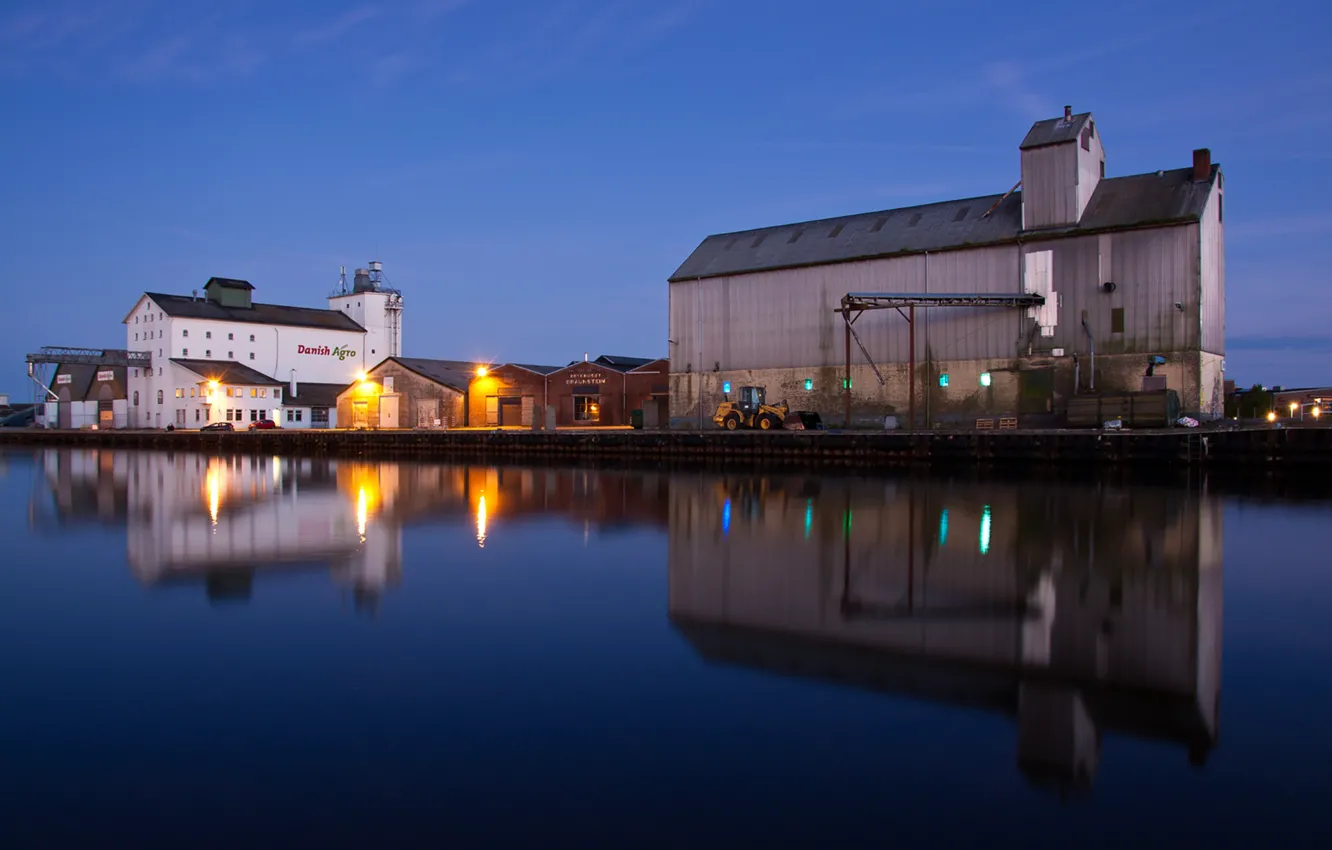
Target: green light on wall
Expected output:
[985,379]
[809,384]
[943,379]
[985,531]
[846,383]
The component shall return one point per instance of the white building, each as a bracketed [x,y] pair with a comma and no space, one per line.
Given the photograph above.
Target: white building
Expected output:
[220,356]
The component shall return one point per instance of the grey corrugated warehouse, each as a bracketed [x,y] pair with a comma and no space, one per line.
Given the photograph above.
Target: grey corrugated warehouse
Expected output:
[1128,268]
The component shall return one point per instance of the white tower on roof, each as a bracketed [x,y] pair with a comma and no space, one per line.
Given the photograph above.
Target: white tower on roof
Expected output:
[375,306]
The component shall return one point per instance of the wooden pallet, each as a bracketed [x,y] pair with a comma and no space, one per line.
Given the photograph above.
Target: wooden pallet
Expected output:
[984,424]
[1008,423]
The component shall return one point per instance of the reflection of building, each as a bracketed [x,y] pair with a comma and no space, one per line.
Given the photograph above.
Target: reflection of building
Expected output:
[1077,610]
[226,520]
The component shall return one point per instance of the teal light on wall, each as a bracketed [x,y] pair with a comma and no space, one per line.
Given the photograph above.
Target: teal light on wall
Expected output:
[943,379]
[809,384]
[985,379]
[726,387]
[985,531]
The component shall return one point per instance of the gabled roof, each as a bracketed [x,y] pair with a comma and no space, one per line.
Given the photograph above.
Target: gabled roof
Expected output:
[228,283]
[1055,131]
[540,370]
[81,378]
[623,364]
[454,374]
[313,395]
[186,307]
[665,360]
[1158,198]
[226,372]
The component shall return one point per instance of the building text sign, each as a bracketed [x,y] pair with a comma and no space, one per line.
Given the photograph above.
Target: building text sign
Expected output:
[106,376]
[587,378]
[64,379]
[341,352]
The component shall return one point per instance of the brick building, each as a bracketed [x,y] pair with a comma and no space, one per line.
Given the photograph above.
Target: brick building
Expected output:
[585,393]
[409,392]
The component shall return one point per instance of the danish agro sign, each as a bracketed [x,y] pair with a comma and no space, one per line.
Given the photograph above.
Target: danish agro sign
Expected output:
[342,352]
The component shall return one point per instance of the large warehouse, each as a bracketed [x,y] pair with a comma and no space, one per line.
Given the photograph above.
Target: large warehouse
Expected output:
[221,356]
[1003,305]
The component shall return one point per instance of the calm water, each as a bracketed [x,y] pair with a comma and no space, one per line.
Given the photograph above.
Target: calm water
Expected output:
[252,652]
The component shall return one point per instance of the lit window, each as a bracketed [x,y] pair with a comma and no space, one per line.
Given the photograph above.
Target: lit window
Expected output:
[254,392]
[809,384]
[263,392]
[587,408]
[191,392]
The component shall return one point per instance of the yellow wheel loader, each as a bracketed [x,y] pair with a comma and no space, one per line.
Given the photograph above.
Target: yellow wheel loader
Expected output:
[751,411]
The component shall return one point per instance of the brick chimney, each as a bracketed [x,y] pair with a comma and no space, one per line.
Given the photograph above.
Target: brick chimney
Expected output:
[1202,164]
[1068,113]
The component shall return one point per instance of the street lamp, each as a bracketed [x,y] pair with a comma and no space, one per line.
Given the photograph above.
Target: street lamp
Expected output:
[1271,416]
[1293,405]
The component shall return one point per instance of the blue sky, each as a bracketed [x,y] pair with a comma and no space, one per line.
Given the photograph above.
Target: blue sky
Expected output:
[531,172]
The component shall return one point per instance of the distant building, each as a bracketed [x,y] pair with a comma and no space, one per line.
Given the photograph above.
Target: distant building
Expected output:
[204,345]
[1123,268]
[408,392]
[87,396]
[584,393]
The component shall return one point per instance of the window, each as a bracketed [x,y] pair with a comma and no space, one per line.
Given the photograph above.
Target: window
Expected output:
[191,392]
[208,334]
[136,337]
[254,392]
[184,352]
[1102,169]
[587,408]
[208,352]
[231,336]
[196,414]
[159,371]
[180,392]
[277,393]
[228,392]
[298,416]
[1220,208]
[136,373]
[289,416]
[159,396]
[1086,139]
[254,416]
[159,352]
[136,320]
[185,332]
[231,355]
[159,316]
[319,414]
[263,392]
[136,398]
[251,355]
[251,337]
[228,414]
[1117,320]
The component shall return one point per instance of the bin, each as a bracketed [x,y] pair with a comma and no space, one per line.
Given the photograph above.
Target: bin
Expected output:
[636,418]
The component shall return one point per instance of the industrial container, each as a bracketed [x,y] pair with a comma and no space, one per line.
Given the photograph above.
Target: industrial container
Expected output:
[1159,409]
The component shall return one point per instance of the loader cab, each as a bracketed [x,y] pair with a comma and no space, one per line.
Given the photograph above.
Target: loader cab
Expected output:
[751,399]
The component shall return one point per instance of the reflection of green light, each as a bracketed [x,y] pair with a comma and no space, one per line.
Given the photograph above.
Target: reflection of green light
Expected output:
[943,527]
[846,524]
[985,531]
[809,516]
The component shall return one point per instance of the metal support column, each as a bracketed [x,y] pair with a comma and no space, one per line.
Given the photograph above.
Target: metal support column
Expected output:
[911,366]
[846,379]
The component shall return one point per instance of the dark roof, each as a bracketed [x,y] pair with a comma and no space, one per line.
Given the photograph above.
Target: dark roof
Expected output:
[183,306]
[623,364]
[455,374]
[226,372]
[228,283]
[81,379]
[313,395]
[1054,131]
[540,370]
[1165,197]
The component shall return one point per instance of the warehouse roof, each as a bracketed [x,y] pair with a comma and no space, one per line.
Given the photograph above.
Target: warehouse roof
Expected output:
[186,307]
[81,378]
[455,374]
[313,395]
[226,372]
[1161,197]
[623,364]
[1055,131]
[540,370]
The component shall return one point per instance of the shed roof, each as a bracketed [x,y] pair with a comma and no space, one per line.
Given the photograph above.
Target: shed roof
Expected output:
[1161,197]
[226,372]
[186,307]
[313,395]
[228,283]
[454,374]
[1055,131]
[623,364]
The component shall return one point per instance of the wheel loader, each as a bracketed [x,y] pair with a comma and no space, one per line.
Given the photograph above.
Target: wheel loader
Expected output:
[751,411]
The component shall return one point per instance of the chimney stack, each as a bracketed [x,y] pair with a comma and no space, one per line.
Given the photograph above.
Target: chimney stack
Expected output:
[291,393]
[1202,164]
[1068,113]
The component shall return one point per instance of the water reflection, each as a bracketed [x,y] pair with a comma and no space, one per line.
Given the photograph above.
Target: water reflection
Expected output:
[1075,610]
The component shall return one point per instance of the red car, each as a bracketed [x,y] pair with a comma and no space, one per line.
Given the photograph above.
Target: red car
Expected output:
[263,425]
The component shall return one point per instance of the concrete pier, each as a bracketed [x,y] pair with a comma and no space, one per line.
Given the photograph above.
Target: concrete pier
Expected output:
[1290,447]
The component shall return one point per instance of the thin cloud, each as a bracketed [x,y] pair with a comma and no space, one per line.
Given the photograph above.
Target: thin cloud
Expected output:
[337,27]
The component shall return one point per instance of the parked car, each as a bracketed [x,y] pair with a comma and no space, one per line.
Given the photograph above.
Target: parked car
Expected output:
[218,426]
[263,425]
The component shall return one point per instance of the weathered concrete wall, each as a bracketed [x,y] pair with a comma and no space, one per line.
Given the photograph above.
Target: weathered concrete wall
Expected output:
[959,404]
[419,399]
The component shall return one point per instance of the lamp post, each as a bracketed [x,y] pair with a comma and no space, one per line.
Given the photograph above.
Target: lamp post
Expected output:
[1293,406]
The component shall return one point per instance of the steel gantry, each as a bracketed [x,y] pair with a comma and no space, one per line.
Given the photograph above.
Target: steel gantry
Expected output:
[856,303]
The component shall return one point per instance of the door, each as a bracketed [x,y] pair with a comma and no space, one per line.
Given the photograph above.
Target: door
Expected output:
[529,405]
[511,411]
[492,410]
[1035,391]
[180,418]
[63,410]
[388,411]
[360,414]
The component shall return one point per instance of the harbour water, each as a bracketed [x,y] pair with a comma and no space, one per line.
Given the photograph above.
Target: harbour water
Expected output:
[242,651]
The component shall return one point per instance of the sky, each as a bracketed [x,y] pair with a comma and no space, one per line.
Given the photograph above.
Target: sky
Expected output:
[530,172]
